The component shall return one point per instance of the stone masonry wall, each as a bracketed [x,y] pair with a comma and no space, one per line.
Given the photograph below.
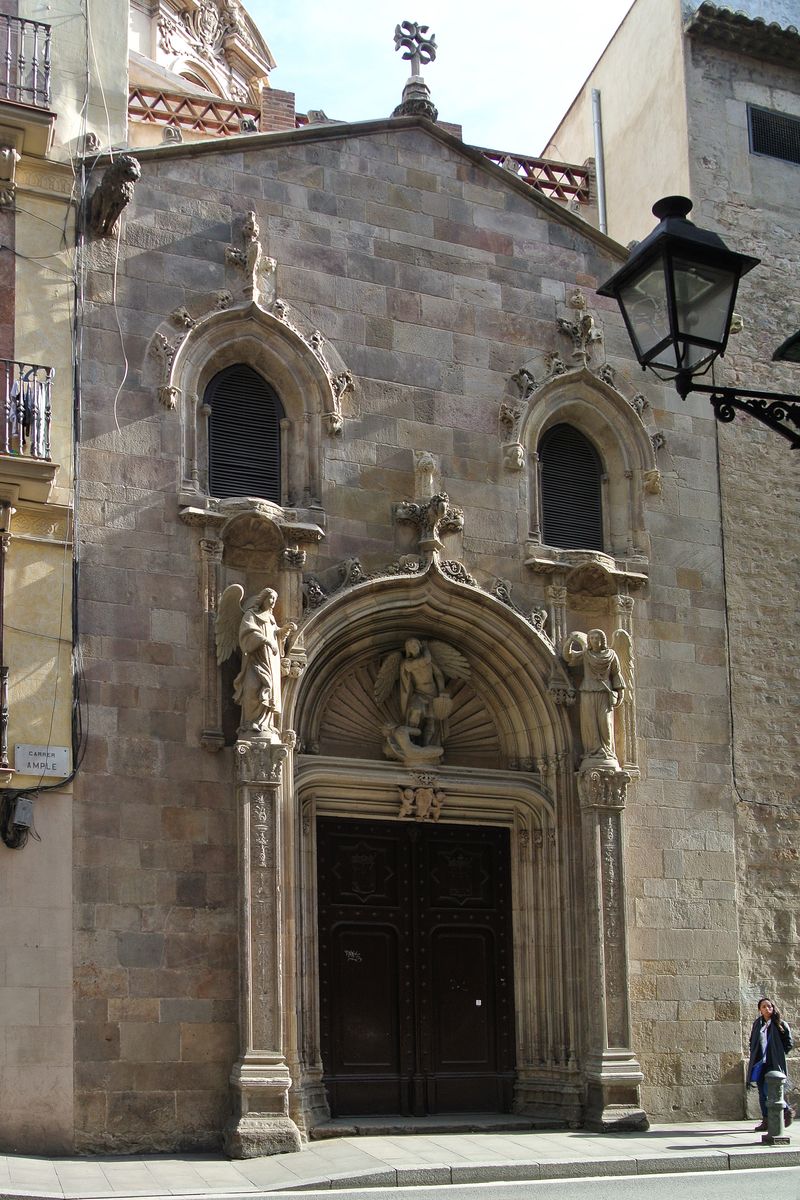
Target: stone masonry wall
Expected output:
[754,202]
[435,279]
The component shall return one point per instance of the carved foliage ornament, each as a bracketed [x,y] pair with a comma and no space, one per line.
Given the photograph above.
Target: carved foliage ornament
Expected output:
[432,518]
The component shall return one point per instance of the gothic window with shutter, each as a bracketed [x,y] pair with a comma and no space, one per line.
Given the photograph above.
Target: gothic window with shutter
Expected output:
[571,485]
[244,452]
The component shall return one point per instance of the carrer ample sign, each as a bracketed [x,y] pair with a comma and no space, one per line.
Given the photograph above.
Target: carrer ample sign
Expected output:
[41,760]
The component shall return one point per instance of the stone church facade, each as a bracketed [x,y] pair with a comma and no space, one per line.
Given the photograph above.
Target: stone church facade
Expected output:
[406,608]
[424,320]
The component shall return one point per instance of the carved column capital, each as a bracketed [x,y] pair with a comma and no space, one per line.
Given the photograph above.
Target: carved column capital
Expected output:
[212,549]
[600,789]
[260,762]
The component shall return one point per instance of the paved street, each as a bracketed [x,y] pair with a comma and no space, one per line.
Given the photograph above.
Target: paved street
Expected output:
[559,1163]
[784,1184]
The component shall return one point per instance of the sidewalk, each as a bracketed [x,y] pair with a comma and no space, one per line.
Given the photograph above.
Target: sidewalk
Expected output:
[397,1160]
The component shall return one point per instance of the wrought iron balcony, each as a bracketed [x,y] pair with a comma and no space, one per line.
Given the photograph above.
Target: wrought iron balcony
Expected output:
[26,393]
[24,61]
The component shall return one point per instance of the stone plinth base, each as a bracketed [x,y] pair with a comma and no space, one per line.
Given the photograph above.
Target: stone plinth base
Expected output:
[258,1134]
[614,1108]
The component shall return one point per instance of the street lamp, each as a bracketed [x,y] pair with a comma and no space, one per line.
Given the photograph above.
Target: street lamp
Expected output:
[676,293]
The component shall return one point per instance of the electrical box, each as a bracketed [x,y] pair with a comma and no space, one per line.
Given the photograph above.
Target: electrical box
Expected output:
[23,812]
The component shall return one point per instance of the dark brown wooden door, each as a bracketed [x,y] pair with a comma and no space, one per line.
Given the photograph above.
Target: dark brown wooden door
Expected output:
[416,995]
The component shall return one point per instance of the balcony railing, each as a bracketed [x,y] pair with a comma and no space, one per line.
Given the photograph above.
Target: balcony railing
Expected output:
[215,118]
[26,393]
[24,61]
[559,181]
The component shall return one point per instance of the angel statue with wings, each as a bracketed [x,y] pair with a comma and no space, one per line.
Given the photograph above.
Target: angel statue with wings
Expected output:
[601,691]
[420,670]
[252,627]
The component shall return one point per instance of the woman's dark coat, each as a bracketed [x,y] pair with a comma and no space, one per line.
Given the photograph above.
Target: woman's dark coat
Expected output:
[779,1043]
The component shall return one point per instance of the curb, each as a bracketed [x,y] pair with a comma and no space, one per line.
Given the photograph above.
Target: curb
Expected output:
[494,1172]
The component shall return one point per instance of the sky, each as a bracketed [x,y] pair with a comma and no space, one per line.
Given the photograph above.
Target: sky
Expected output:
[506,71]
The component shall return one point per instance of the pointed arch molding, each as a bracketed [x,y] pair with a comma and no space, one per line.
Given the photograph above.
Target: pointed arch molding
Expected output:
[616,429]
[309,382]
[513,666]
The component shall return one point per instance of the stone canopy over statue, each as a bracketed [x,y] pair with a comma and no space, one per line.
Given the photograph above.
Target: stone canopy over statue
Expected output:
[418,675]
[601,691]
[253,629]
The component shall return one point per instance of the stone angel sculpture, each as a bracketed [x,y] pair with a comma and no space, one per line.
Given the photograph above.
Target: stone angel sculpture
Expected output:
[251,626]
[420,670]
[602,690]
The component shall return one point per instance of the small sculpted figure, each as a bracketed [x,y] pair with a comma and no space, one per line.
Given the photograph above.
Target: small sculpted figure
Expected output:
[419,672]
[263,643]
[601,691]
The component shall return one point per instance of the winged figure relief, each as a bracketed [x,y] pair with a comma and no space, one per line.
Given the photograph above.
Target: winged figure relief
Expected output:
[251,627]
[420,671]
[602,690]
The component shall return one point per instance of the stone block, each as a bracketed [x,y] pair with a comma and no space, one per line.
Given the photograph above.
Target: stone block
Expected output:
[96,1043]
[144,1042]
[208,1042]
[141,949]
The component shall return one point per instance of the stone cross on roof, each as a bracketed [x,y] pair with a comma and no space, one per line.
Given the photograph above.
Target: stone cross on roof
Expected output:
[420,49]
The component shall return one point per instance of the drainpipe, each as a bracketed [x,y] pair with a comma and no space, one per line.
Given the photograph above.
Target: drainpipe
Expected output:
[599,160]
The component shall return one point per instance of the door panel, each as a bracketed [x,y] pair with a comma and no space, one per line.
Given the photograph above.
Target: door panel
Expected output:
[415,967]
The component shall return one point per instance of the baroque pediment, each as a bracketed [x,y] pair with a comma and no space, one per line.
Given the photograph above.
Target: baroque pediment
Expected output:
[219,40]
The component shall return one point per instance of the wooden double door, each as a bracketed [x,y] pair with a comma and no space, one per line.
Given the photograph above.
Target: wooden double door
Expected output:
[416,989]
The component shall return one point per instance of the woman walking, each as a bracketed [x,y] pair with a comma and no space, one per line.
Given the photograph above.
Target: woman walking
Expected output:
[770,1041]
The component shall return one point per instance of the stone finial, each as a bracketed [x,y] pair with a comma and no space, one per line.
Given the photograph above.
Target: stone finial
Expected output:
[258,268]
[419,49]
[432,518]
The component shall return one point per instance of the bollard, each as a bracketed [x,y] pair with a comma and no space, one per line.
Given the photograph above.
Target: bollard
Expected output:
[776,1133]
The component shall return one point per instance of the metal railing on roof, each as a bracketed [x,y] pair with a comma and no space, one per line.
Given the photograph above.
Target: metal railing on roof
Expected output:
[559,181]
[192,113]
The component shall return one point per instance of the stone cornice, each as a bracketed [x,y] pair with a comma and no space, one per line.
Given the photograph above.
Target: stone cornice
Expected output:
[344,130]
[751,36]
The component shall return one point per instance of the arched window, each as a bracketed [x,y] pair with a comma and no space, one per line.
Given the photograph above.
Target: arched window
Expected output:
[570,472]
[244,427]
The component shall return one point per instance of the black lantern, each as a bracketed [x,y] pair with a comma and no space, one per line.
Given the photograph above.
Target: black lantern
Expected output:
[676,293]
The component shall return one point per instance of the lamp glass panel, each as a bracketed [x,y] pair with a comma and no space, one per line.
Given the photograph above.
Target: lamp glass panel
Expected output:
[644,301]
[703,300]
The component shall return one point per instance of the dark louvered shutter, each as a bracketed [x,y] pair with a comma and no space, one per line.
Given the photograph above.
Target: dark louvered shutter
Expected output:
[570,470]
[244,446]
[774,133]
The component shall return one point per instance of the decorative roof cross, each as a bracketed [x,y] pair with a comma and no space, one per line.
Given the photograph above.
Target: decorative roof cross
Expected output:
[419,48]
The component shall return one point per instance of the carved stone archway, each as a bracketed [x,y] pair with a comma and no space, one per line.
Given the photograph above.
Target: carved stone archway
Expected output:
[566,851]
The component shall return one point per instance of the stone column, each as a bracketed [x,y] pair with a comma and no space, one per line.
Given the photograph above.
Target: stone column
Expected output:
[613,1073]
[556,596]
[291,585]
[261,1123]
[625,731]
[212,737]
